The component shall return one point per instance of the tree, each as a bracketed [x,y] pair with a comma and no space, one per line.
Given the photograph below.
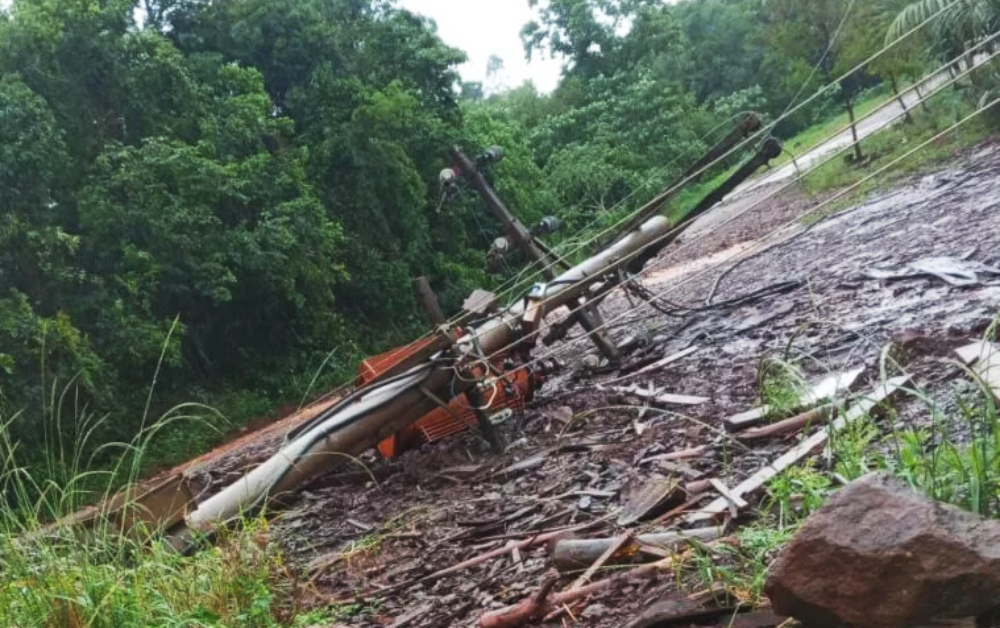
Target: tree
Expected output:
[814,38]
[584,32]
[960,24]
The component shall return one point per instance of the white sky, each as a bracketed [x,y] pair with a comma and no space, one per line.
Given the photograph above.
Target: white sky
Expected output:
[489,27]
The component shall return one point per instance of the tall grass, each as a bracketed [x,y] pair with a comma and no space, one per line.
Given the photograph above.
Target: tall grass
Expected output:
[60,575]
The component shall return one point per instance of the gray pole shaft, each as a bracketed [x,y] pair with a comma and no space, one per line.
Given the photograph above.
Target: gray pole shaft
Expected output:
[521,237]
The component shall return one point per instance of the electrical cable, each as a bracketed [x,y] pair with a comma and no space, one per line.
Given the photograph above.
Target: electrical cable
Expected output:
[759,134]
[774,193]
[799,218]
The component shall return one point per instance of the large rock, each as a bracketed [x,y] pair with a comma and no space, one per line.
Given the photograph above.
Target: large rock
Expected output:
[878,555]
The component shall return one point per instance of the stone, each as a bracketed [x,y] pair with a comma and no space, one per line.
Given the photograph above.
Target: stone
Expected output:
[878,555]
[595,611]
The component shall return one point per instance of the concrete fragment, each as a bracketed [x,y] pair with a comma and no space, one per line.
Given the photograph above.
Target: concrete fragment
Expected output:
[878,555]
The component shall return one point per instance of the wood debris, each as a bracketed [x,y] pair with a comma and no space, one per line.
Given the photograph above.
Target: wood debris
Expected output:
[824,390]
[575,554]
[984,358]
[803,449]
[650,499]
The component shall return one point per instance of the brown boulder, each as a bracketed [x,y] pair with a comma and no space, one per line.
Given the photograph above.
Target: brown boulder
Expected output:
[878,555]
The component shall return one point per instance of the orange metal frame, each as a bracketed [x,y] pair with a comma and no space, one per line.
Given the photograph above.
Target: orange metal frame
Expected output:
[443,422]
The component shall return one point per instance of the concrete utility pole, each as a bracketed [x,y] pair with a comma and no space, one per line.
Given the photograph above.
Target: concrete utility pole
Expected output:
[366,416]
[588,317]
[747,125]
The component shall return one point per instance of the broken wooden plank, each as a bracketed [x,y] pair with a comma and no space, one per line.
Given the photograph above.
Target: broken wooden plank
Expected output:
[685,454]
[816,416]
[657,396]
[972,353]
[825,389]
[984,359]
[746,419]
[803,449]
[669,399]
[731,497]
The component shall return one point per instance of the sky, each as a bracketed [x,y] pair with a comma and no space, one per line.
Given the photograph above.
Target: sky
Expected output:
[483,28]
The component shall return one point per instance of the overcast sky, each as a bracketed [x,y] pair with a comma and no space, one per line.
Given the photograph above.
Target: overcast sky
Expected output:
[483,28]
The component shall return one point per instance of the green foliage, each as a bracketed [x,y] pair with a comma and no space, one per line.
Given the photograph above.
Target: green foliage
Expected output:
[742,565]
[797,493]
[782,386]
[959,24]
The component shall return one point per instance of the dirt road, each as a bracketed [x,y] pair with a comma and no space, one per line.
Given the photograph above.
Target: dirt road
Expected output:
[758,187]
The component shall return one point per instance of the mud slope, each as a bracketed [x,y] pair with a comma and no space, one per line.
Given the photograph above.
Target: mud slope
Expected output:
[377,534]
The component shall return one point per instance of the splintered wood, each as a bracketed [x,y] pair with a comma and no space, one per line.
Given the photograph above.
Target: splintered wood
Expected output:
[803,449]
[824,390]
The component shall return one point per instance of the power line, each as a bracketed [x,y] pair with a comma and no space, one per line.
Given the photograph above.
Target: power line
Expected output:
[791,223]
[740,146]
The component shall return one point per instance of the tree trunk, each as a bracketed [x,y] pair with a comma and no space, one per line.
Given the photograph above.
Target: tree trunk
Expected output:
[849,105]
[899,98]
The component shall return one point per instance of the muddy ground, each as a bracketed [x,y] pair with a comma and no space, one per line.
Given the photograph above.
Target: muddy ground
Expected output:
[578,451]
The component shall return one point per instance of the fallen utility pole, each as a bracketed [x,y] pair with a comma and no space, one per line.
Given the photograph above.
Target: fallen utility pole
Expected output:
[769,150]
[747,125]
[358,422]
[535,251]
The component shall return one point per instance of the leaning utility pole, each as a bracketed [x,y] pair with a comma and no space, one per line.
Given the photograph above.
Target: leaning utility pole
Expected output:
[453,364]
[588,316]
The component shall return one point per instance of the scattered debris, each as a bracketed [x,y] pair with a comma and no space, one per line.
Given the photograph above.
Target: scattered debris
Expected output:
[984,358]
[803,449]
[684,454]
[879,555]
[957,271]
[460,531]
[816,416]
[611,550]
[659,364]
[650,499]
[658,396]
[826,389]
[735,501]
[541,604]
[696,610]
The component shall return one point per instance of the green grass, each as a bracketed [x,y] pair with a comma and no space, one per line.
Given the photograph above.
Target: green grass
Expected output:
[889,144]
[782,386]
[94,576]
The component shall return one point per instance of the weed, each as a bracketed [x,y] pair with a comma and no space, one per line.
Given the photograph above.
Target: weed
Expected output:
[70,576]
[782,385]
[853,452]
[742,565]
[797,493]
